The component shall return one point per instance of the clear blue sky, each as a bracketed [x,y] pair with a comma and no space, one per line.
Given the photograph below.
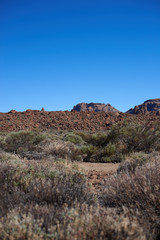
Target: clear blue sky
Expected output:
[55,54]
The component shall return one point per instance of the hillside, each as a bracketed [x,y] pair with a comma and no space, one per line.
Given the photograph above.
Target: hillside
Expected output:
[152,105]
[65,120]
[95,107]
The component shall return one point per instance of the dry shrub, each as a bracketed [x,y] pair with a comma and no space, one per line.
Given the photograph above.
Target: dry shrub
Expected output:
[138,190]
[54,201]
[4,157]
[81,222]
[21,183]
[22,141]
[60,149]
[136,159]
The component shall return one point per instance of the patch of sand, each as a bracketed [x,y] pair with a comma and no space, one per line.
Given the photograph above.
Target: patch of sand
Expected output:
[99,167]
[98,172]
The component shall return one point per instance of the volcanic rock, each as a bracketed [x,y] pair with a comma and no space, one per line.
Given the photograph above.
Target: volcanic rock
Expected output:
[158,113]
[70,121]
[94,107]
[13,111]
[152,105]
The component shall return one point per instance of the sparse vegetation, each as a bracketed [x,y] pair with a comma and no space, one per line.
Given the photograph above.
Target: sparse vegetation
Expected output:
[22,141]
[130,136]
[110,146]
[54,201]
[52,198]
[71,137]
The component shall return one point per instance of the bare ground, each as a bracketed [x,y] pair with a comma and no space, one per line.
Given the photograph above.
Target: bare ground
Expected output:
[99,167]
[98,172]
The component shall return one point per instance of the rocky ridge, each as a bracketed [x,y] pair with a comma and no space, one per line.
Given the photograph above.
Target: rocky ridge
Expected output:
[89,117]
[152,105]
[95,107]
[65,120]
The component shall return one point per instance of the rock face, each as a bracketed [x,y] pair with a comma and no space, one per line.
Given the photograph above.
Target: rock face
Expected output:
[94,107]
[152,105]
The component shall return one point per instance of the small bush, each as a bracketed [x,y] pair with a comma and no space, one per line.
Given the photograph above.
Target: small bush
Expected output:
[5,157]
[139,191]
[109,150]
[80,222]
[132,136]
[59,149]
[22,141]
[96,139]
[136,159]
[106,160]
[55,185]
[89,150]
[116,158]
[73,138]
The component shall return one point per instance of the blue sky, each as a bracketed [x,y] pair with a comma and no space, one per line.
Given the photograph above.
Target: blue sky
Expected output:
[55,54]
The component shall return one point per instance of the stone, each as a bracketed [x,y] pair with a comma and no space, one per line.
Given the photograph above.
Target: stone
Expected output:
[152,105]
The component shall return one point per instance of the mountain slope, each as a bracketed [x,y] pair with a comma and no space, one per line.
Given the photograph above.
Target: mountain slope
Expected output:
[95,107]
[152,105]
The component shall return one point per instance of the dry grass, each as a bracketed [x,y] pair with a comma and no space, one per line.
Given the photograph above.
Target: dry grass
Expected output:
[138,190]
[52,199]
[80,222]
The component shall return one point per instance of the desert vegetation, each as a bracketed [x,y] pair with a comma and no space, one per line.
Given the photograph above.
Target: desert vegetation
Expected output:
[114,145]
[44,194]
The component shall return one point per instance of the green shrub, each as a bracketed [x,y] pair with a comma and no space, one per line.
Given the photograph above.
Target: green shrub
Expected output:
[106,160]
[22,141]
[133,136]
[110,149]
[99,139]
[89,150]
[116,158]
[96,139]
[73,138]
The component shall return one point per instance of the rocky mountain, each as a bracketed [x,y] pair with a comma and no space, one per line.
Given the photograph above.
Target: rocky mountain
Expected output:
[152,105]
[94,107]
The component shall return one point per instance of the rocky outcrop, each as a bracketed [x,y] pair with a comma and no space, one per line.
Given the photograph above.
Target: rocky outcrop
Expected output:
[12,111]
[94,107]
[152,105]
[72,121]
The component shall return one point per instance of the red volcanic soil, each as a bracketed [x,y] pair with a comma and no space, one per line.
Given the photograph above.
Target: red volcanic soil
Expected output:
[59,120]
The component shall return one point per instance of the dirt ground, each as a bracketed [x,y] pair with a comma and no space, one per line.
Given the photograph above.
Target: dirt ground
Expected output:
[99,167]
[98,172]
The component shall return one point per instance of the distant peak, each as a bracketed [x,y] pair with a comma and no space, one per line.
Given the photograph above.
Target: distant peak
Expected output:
[94,107]
[151,105]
